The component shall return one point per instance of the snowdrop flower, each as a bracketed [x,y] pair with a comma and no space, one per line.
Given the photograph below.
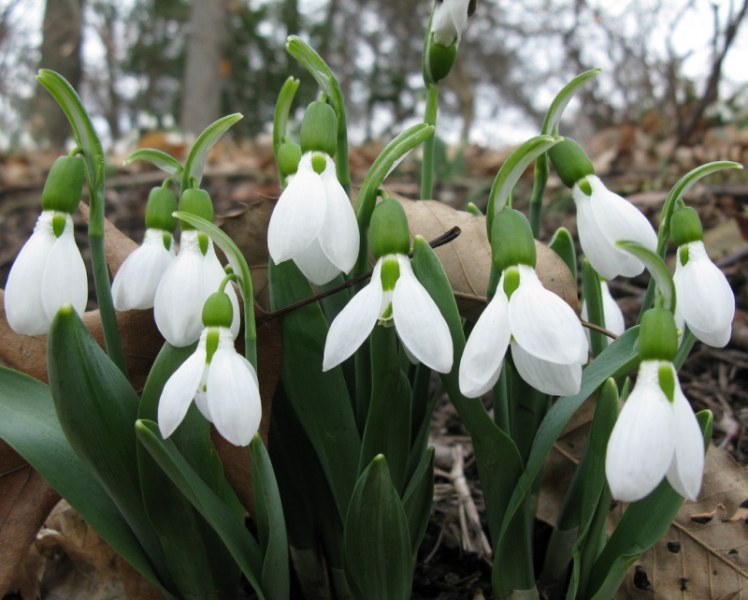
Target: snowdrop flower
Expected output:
[135,283]
[222,383]
[704,298]
[393,297]
[547,341]
[603,218]
[450,20]
[656,434]
[313,222]
[611,313]
[189,279]
[49,271]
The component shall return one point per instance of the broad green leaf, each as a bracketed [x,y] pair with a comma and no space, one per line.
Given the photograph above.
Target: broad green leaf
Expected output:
[657,268]
[227,524]
[387,160]
[563,244]
[282,110]
[643,523]
[387,429]
[271,525]
[192,173]
[512,169]
[28,423]
[619,357]
[197,558]
[418,498]
[164,161]
[97,409]
[320,400]
[379,562]
[562,99]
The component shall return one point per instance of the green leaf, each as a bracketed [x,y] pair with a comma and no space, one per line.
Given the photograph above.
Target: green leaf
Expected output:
[643,523]
[593,300]
[28,423]
[195,163]
[158,158]
[418,498]
[227,524]
[320,400]
[512,169]
[271,525]
[657,268]
[388,159]
[387,429]
[378,555]
[562,99]
[241,269]
[97,409]
[563,244]
[619,357]
[282,110]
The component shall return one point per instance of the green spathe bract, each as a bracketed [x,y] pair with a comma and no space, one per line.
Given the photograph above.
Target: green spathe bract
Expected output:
[217,310]
[62,190]
[162,202]
[389,232]
[511,240]
[319,129]
[441,58]
[571,162]
[658,339]
[196,202]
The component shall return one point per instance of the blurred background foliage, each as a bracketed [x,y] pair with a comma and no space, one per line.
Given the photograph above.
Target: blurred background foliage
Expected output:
[173,64]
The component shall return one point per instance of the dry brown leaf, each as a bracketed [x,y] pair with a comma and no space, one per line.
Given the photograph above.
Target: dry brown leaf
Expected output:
[25,502]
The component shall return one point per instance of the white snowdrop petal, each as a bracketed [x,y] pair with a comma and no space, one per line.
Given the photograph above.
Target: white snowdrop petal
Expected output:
[354,323]
[23,300]
[134,285]
[419,324]
[339,235]
[178,303]
[298,214]
[641,446]
[484,352]
[687,467]
[64,280]
[547,377]
[315,265]
[614,321]
[233,397]
[603,257]
[705,299]
[179,391]
[543,324]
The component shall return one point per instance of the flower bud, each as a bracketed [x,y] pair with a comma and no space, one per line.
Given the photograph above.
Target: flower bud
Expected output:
[571,162]
[197,202]
[62,191]
[319,129]
[658,337]
[217,310]
[511,240]
[389,229]
[289,155]
[685,226]
[162,202]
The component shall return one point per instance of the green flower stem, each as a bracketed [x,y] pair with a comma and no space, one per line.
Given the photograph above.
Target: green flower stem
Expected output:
[427,166]
[538,188]
[595,540]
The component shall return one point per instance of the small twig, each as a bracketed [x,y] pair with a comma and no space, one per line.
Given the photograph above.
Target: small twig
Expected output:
[599,329]
[445,238]
[474,539]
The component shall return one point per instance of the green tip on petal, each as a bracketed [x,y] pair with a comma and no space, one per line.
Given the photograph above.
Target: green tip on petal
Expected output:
[390,273]
[204,242]
[211,344]
[319,163]
[666,379]
[571,162]
[197,202]
[512,242]
[319,129]
[58,224]
[162,202]
[217,310]
[62,190]
[683,255]
[388,229]
[685,226]
[511,281]
[658,337]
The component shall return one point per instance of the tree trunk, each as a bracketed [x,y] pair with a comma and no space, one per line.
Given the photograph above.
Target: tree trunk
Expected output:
[61,52]
[202,80]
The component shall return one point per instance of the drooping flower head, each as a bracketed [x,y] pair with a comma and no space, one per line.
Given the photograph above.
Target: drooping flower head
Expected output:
[135,284]
[547,340]
[222,382]
[393,297]
[449,20]
[49,271]
[313,222]
[603,218]
[704,298]
[656,434]
[190,278]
